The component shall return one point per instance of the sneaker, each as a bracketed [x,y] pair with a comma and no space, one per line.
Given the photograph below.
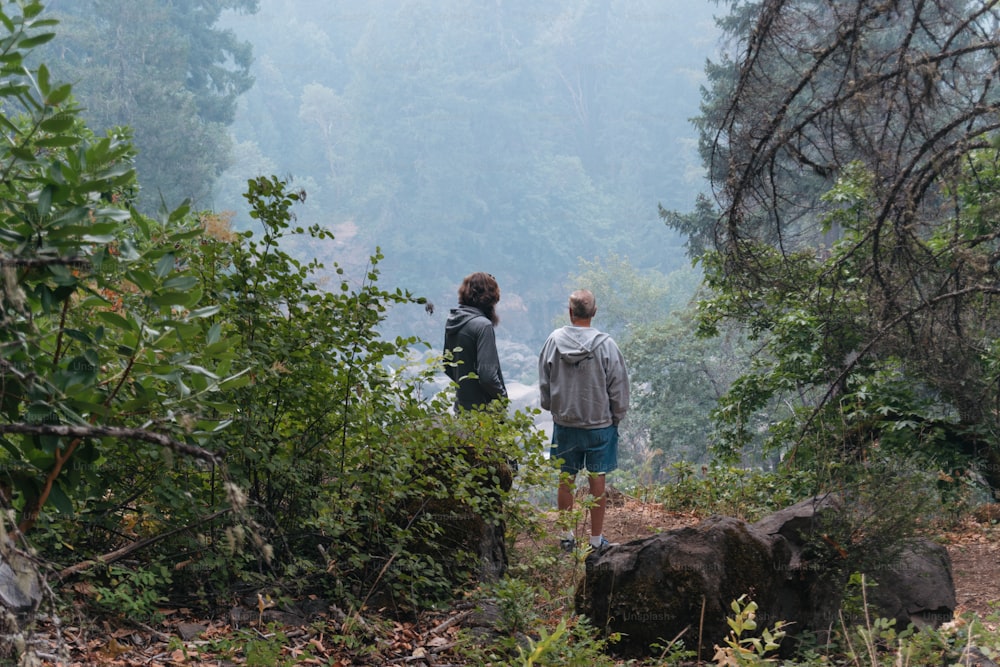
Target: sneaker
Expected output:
[599,549]
[567,544]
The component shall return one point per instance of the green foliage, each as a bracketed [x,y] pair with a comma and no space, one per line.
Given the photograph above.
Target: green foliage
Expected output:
[743,646]
[169,383]
[821,388]
[518,605]
[333,439]
[573,642]
[862,269]
[135,594]
[103,326]
[716,488]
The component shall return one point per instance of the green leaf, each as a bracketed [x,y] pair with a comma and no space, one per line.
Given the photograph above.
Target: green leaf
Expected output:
[40,412]
[36,40]
[20,152]
[116,320]
[45,201]
[57,124]
[59,95]
[30,11]
[59,499]
[175,299]
[200,371]
[206,311]
[180,283]
[142,280]
[11,235]
[43,82]
[77,335]
[165,265]
[58,141]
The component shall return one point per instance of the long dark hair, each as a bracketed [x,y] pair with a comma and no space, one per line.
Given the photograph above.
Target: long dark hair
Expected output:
[480,290]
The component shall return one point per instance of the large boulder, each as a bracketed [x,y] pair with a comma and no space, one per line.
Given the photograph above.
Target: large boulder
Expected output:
[682,582]
[916,587]
[911,582]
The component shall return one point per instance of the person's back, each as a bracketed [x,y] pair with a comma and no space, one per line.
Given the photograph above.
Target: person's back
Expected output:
[471,341]
[584,384]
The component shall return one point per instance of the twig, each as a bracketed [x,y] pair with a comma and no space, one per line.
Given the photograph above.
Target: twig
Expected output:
[701,627]
[162,636]
[129,548]
[457,618]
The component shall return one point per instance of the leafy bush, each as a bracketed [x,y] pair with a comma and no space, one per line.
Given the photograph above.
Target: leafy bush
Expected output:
[171,385]
[717,488]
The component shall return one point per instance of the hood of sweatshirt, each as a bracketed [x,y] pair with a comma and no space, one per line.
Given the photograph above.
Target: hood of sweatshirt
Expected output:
[458,317]
[578,343]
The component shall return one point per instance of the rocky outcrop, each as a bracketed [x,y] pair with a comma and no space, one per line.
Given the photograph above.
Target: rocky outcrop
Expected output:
[679,583]
[682,582]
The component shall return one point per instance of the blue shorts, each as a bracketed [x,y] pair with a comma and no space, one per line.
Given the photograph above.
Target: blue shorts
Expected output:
[594,450]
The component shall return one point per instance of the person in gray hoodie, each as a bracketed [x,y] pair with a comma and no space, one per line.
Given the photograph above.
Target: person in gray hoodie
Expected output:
[471,341]
[583,382]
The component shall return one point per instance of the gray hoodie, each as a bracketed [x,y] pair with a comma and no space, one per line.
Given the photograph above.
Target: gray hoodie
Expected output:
[582,378]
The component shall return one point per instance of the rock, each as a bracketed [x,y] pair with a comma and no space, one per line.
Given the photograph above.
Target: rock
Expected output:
[21,588]
[470,541]
[20,583]
[917,587]
[682,582]
[189,631]
[913,586]
[656,588]
[811,587]
[972,656]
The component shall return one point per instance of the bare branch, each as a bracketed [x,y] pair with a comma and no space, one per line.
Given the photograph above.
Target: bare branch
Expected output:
[65,431]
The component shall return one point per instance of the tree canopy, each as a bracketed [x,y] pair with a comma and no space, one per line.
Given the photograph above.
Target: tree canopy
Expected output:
[852,151]
[166,71]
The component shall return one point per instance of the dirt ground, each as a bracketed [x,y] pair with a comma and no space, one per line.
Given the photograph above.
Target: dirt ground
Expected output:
[974,547]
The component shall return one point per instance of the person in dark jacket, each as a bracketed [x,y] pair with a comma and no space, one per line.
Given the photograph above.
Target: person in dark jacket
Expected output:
[469,337]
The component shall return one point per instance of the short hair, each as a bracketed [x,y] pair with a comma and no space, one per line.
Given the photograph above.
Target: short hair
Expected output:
[582,304]
[480,290]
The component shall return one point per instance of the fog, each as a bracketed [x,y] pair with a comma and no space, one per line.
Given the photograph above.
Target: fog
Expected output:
[518,138]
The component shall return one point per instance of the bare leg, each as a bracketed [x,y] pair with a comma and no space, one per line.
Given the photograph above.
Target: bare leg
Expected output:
[564,499]
[597,485]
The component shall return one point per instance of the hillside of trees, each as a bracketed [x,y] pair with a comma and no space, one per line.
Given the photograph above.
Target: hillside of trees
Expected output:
[196,408]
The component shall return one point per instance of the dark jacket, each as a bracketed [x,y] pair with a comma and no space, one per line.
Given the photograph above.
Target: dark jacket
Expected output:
[467,328]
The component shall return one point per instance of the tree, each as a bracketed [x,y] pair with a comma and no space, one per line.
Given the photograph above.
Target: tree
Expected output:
[102,324]
[164,70]
[852,151]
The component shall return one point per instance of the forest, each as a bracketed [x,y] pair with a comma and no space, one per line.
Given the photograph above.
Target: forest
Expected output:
[231,230]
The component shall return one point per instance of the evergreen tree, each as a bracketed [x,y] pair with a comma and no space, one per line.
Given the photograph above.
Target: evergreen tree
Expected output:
[164,70]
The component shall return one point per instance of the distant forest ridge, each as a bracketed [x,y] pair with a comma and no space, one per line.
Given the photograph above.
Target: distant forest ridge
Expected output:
[516,138]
